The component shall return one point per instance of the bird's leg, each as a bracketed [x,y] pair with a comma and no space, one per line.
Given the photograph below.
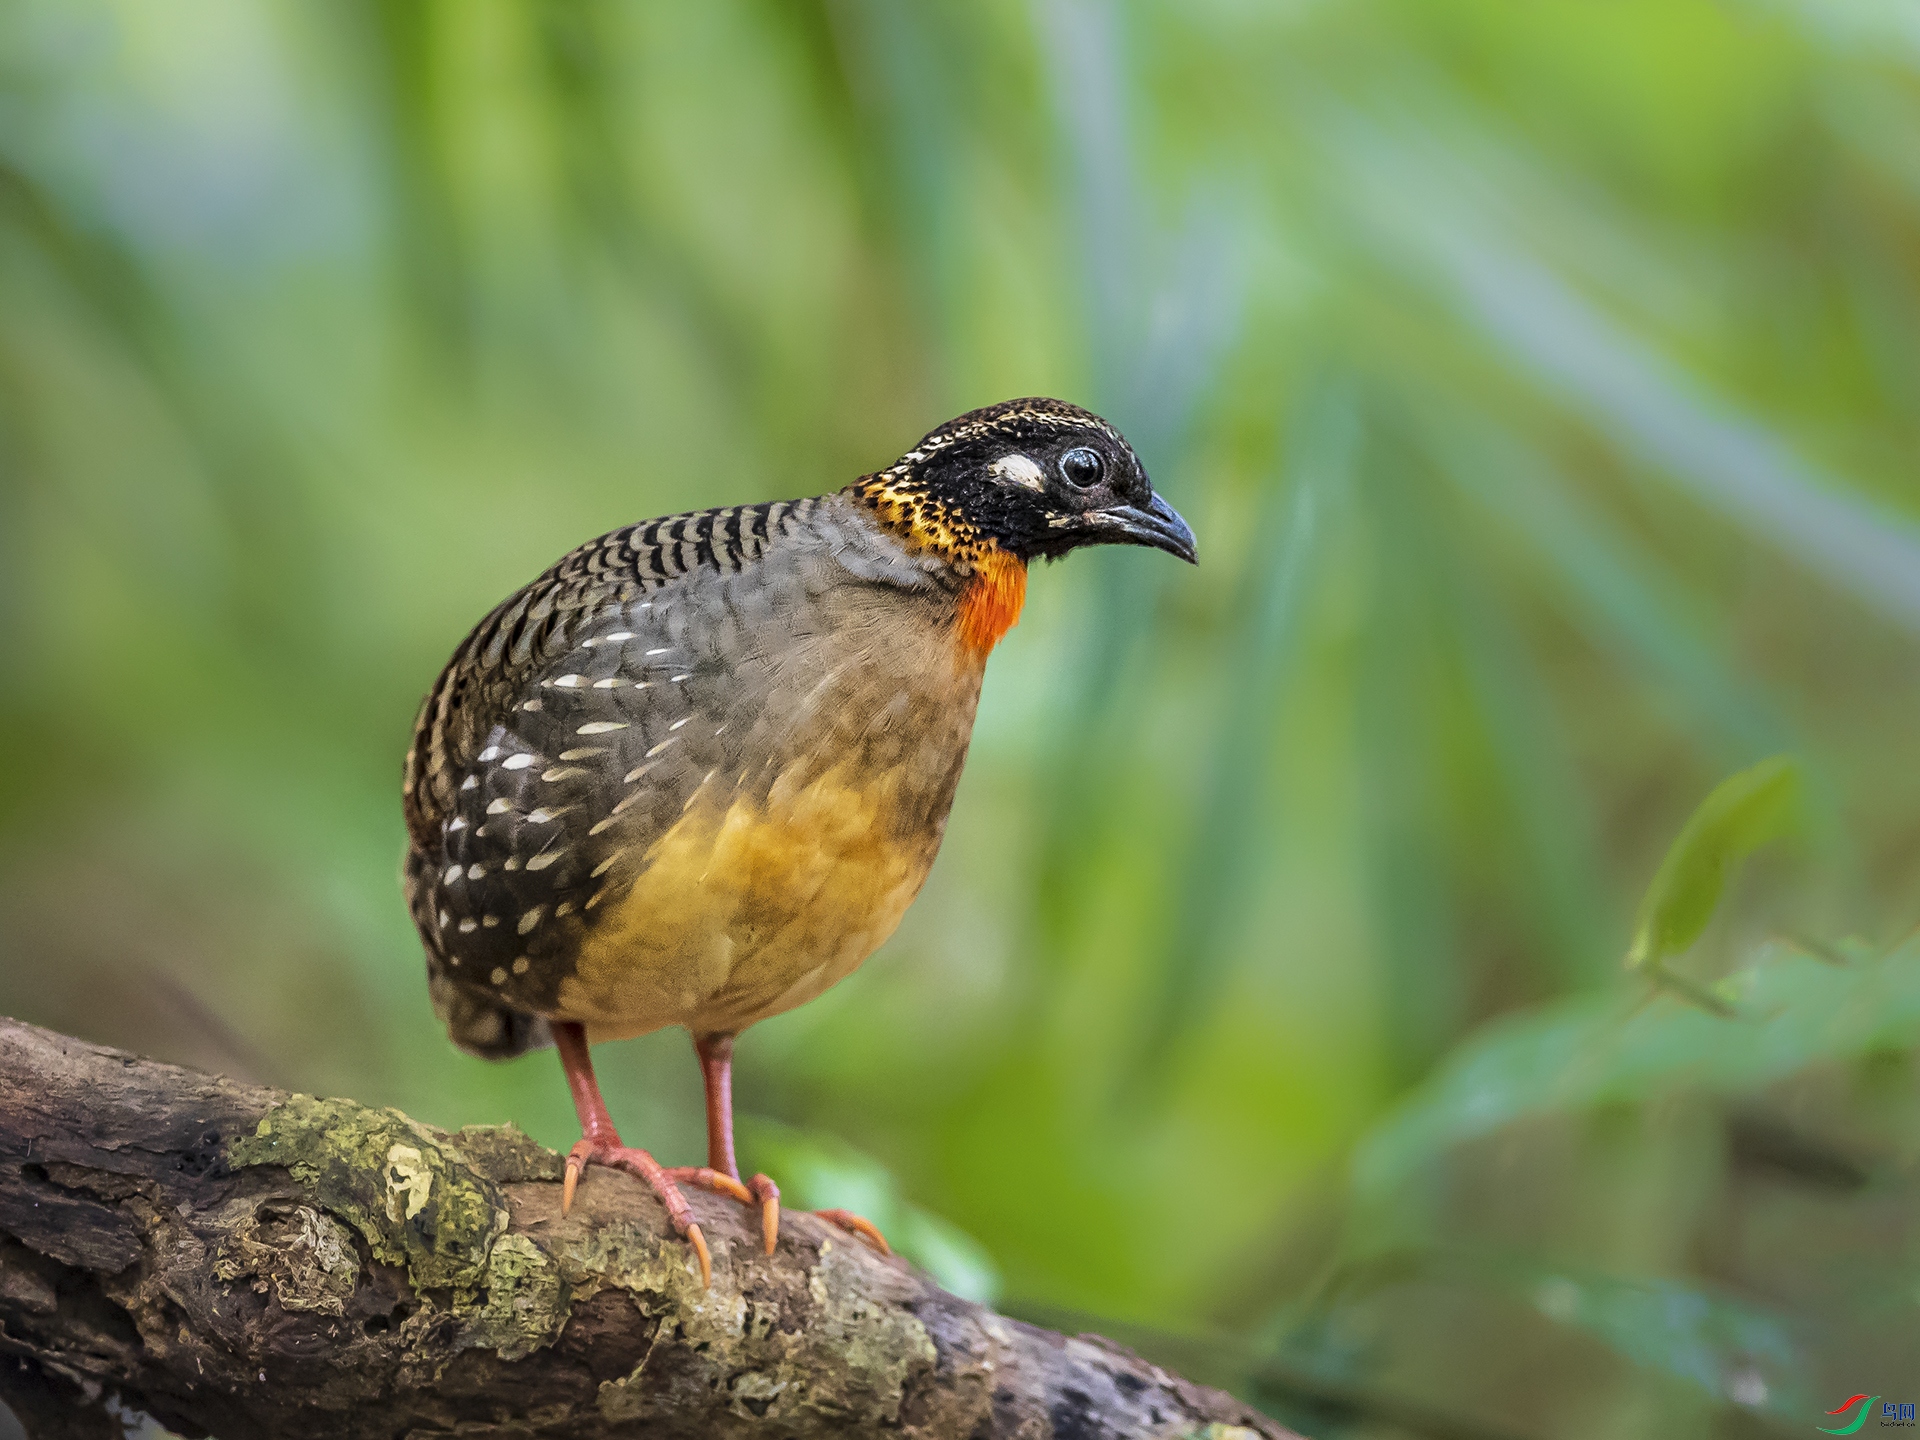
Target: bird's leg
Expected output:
[600,1144]
[716,1069]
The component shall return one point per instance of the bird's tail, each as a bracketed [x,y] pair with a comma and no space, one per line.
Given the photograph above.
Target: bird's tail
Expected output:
[476,1021]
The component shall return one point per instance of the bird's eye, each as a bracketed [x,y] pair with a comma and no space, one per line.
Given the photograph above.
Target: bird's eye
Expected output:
[1082,467]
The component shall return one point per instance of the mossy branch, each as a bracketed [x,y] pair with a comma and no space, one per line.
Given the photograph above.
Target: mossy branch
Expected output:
[240,1262]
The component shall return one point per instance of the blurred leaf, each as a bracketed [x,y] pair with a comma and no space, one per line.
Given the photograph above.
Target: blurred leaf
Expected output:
[1578,1053]
[1228,838]
[954,1258]
[817,1171]
[1409,728]
[1726,458]
[1732,1350]
[1616,592]
[1743,813]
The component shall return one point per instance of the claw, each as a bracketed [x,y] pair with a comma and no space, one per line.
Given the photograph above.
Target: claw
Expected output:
[727,1185]
[570,1184]
[768,1195]
[699,1243]
[859,1225]
[714,1180]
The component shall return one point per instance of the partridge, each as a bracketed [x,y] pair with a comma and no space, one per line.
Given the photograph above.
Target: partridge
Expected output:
[695,772]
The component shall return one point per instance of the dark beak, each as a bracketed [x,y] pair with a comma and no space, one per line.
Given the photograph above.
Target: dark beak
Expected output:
[1158,525]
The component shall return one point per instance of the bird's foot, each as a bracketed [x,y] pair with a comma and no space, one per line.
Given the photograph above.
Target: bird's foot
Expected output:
[857,1225]
[616,1156]
[759,1191]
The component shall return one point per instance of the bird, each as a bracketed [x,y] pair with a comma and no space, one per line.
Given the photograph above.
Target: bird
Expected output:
[695,772]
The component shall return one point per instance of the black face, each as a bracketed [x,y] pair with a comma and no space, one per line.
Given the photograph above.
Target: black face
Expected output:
[1044,477]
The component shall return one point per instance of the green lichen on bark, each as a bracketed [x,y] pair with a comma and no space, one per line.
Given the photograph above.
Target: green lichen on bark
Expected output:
[854,1357]
[408,1192]
[507,1154]
[532,1285]
[878,1346]
[419,1202]
[523,1306]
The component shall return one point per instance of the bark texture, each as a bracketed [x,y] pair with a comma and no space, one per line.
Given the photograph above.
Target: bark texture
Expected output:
[240,1262]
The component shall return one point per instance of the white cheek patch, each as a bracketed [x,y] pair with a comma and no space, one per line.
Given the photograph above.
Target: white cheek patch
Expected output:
[1017,470]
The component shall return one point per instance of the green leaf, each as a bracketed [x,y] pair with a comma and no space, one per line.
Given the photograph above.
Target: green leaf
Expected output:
[1590,1050]
[1743,813]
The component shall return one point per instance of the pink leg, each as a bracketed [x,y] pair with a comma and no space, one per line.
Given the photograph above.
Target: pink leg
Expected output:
[600,1144]
[716,1069]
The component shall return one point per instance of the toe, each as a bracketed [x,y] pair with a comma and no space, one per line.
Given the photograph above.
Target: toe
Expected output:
[711,1179]
[727,1185]
[858,1225]
[769,1196]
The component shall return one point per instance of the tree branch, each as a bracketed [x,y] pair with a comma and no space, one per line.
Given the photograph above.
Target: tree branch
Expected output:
[240,1262]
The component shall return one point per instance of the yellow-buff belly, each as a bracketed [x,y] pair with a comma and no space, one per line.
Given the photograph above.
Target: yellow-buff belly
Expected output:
[750,906]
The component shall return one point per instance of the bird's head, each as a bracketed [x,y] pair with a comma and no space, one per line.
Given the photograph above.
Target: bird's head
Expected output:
[1029,478]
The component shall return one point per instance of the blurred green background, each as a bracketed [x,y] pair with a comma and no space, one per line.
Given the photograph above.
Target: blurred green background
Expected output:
[1542,378]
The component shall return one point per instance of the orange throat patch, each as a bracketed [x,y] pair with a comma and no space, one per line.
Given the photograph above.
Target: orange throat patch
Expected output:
[990,605]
